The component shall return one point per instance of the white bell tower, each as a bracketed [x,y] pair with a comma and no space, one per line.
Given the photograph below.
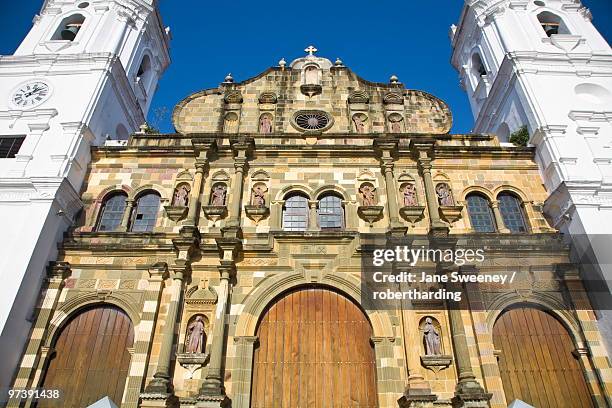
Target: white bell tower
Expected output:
[85,73]
[543,64]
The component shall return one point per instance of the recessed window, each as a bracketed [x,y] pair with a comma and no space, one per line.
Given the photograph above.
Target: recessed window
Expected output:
[331,212]
[112,211]
[552,24]
[9,146]
[83,5]
[481,215]
[69,28]
[145,213]
[311,120]
[478,67]
[295,213]
[512,212]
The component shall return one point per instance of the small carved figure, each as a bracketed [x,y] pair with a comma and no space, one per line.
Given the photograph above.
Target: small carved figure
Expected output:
[396,126]
[432,339]
[181,196]
[265,125]
[410,199]
[218,195]
[195,336]
[359,125]
[445,197]
[258,197]
[367,195]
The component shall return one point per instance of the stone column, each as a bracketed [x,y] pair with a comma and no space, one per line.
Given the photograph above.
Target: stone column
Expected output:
[313,224]
[501,227]
[243,372]
[212,391]
[196,192]
[213,385]
[241,149]
[468,392]
[417,392]
[125,221]
[386,147]
[161,384]
[424,163]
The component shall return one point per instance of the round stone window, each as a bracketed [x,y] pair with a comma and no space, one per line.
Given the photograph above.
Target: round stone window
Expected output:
[312,121]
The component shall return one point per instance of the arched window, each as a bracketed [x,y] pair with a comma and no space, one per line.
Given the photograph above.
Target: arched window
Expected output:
[69,28]
[145,212]
[331,212]
[295,213]
[552,24]
[111,212]
[478,68]
[480,212]
[512,212]
[143,76]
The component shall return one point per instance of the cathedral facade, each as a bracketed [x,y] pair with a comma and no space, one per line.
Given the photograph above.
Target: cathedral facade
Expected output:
[222,265]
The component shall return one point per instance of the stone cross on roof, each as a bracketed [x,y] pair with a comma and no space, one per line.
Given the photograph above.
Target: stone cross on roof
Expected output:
[311,50]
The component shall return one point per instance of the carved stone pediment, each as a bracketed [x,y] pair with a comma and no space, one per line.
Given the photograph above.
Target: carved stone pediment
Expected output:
[214,212]
[175,213]
[412,214]
[311,89]
[451,213]
[192,362]
[436,362]
[256,213]
[370,213]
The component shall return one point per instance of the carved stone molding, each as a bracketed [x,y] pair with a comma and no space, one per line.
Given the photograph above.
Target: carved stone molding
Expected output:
[412,214]
[176,213]
[436,363]
[451,213]
[370,213]
[214,212]
[256,213]
[192,362]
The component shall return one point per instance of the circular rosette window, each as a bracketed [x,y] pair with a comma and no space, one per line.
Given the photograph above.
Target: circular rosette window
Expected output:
[312,121]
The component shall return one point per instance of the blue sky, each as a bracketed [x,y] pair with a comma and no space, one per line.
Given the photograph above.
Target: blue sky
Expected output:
[375,39]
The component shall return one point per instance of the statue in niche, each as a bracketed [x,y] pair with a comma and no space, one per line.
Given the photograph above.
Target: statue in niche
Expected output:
[368,195]
[258,198]
[431,338]
[410,198]
[396,125]
[181,196]
[311,76]
[195,336]
[265,125]
[445,197]
[359,124]
[218,195]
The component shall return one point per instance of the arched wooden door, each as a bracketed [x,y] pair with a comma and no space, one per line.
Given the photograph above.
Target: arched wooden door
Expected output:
[314,351]
[91,358]
[536,361]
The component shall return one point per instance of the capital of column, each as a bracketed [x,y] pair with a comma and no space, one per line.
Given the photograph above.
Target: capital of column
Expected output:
[57,272]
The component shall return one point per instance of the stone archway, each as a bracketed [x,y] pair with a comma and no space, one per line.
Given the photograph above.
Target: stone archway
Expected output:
[91,357]
[536,362]
[314,350]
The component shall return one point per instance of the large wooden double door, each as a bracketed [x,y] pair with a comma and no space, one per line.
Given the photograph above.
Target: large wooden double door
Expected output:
[314,351]
[91,358]
[536,361]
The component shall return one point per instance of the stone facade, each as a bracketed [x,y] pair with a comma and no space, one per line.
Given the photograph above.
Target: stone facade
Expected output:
[228,265]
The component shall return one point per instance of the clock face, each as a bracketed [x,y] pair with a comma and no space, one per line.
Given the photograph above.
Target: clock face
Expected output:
[31,94]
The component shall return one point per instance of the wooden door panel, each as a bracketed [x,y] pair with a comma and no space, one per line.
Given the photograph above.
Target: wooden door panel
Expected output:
[314,351]
[536,361]
[91,358]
